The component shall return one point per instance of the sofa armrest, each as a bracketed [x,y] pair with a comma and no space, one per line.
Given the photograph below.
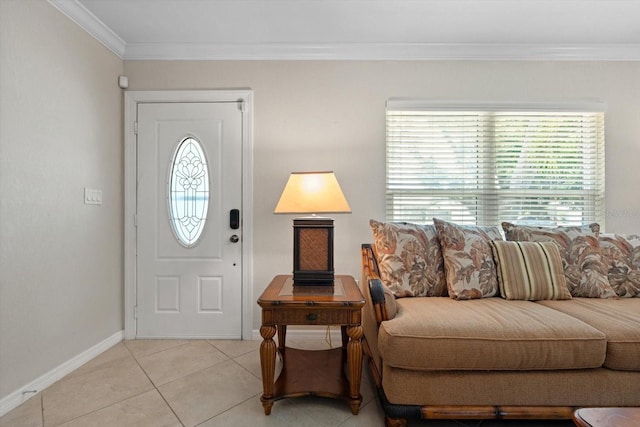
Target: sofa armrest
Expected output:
[382,299]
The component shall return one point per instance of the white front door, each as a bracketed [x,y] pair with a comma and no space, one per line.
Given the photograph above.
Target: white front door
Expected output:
[189,236]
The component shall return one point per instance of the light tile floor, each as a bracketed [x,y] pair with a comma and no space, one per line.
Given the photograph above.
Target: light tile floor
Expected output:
[205,383]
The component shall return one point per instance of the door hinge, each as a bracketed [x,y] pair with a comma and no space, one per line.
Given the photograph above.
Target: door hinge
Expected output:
[241,105]
[135,220]
[135,128]
[135,312]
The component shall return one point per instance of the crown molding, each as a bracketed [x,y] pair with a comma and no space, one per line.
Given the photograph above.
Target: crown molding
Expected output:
[382,51]
[91,24]
[342,51]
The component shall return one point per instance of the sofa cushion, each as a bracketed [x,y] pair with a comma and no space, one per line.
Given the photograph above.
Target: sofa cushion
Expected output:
[584,268]
[468,261]
[487,334]
[530,270]
[621,255]
[409,258]
[618,319]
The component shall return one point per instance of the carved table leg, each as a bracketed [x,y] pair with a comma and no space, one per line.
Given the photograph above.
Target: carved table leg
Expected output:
[395,422]
[282,337]
[268,365]
[345,337]
[354,362]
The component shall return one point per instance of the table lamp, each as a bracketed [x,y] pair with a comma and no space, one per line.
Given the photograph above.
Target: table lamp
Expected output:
[312,193]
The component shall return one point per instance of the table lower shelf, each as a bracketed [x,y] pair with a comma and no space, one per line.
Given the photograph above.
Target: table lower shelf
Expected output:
[312,372]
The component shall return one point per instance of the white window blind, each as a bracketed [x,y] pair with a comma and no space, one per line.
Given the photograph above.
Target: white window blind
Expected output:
[475,164]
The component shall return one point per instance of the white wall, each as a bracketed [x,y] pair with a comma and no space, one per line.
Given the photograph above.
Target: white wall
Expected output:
[61,130]
[330,116]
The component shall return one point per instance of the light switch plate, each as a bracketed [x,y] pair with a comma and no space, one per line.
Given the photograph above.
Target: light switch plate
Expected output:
[92,196]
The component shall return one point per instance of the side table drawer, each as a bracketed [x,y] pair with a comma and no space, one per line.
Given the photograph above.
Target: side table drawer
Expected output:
[311,316]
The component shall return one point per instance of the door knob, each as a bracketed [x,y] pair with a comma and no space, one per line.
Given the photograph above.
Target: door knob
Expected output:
[234,238]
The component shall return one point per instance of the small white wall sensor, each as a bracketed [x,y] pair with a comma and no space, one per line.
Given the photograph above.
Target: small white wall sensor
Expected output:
[123,82]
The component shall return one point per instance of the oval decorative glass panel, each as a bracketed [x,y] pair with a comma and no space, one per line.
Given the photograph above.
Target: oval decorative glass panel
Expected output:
[188,191]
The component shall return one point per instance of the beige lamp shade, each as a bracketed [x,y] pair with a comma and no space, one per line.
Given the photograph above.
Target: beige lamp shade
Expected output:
[313,193]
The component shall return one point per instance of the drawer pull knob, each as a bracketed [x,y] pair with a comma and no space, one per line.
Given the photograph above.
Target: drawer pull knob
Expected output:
[312,316]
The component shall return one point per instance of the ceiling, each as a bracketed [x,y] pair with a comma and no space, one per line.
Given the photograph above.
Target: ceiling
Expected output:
[362,29]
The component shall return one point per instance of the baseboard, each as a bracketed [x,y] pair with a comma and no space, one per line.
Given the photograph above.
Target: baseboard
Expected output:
[319,332]
[24,393]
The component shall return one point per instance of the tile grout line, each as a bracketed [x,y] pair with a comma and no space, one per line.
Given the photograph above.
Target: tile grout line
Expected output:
[240,355]
[228,409]
[229,358]
[245,369]
[42,407]
[155,352]
[97,409]
[154,385]
[254,375]
[233,359]
[187,374]
[228,355]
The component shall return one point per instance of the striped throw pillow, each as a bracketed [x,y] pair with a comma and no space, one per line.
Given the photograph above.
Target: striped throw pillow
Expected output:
[530,271]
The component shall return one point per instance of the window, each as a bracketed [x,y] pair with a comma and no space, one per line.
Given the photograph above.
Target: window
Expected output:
[188,191]
[476,164]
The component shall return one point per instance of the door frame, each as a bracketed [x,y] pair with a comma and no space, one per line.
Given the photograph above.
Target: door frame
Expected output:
[131,101]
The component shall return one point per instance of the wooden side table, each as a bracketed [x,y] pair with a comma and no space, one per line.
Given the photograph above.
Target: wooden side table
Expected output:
[607,417]
[311,372]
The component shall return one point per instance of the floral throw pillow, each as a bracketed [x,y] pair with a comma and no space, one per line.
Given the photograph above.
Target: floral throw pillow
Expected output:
[621,255]
[409,258]
[582,261]
[468,259]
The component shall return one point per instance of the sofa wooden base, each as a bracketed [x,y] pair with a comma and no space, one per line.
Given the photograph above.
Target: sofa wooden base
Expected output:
[497,412]
[485,413]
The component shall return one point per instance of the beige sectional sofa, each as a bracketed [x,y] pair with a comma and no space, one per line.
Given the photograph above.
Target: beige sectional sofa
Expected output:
[489,357]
